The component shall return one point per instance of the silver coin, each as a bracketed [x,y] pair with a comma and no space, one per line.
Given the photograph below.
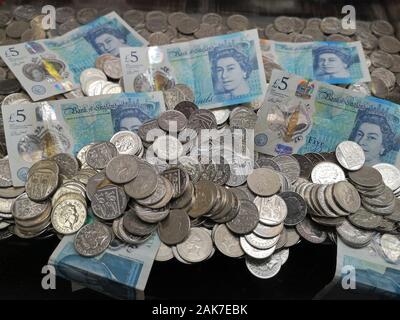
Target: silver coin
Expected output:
[289,166]
[188,25]
[310,231]
[196,247]
[92,239]
[254,252]
[144,184]
[109,202]
[390,245]
[42,183]
[284,24]
[382,59]
[113,69]
[172,121]
[390,175]
[156,21]
[352,236]
[327,173]
[246,220]
[389,44]
[86,15]
[16,28]
[133,17]
[67,164]
[365,220]
[381,28]
[264,268]
[273,210]
[330,25]
[283,255]
[237,22]
[25,209]
[5,173]
[227,243]
[64,13]
[350,155]
[158,39]
[368,40]
[150,215]
[136,226]
[261,243]
[168,148]
[164,253]
[264,182]
[122,169]
[127,142]
[175,228]
[212,18]
[98,155]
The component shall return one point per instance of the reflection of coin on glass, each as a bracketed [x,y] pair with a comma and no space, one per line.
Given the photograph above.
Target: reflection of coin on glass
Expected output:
[34,72]
[142,84]
[162,81]
[30,148]
[54,143]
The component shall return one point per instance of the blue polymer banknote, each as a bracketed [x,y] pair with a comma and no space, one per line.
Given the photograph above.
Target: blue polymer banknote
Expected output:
[328,61]
[36,131]
[121,271]
[301,116]
[221,71]
[49,67]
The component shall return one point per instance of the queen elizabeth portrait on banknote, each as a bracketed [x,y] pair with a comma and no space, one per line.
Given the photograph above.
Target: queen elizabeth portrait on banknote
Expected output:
[129,119]
[231,68]
[107,39]
[332,62]
[374,133]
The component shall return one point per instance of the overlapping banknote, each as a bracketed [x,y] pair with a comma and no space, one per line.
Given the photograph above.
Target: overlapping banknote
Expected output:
[365,270]
[221,71]
[121,271]
[52,66]
[39,130]
[331,62]
[300,116]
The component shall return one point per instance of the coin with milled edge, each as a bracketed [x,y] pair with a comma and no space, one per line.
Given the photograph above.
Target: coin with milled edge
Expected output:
[227,242]
[98,155]
[264,182]
[310,231]
[346,196]
[92,239]
[350,155]
[144,184]
[68,216]
[264,268]
[273,210]
[296,207]
[327,173]
[109,202]
[175,228]
[122,169]
[197,246]
[390,175]
[390,245]
[246,220]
